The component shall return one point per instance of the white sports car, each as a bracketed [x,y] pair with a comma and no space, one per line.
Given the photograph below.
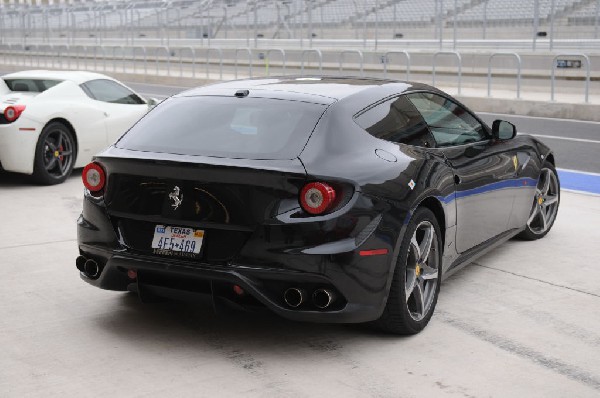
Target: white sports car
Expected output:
[53,121]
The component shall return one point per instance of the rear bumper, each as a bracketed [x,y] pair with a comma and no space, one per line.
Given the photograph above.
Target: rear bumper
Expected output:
[262,284]
[360,283]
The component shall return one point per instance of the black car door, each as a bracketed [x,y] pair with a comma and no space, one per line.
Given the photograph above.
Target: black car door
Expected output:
[482,169]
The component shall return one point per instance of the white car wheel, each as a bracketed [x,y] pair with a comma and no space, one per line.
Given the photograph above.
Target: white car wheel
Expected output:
[54,155]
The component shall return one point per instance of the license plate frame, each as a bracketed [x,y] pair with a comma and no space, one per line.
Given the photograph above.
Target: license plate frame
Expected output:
[170,240]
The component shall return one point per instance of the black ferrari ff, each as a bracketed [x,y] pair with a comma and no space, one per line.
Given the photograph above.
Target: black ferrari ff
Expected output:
[322,199]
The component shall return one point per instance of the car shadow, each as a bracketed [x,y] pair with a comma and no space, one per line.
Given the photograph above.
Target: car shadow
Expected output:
[17,180]
[198,327]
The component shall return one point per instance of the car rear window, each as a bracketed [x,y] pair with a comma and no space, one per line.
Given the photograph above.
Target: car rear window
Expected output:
[245,128]
[32,85]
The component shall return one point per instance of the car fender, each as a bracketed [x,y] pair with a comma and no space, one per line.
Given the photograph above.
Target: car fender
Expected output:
[86,123]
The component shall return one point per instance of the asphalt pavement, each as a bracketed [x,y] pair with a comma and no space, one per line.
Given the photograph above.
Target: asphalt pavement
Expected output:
[520,322]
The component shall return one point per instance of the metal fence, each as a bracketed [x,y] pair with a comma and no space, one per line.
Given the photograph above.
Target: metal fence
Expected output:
[488,73]
[441,24]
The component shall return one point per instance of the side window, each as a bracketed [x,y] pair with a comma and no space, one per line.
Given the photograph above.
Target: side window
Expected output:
[396,120]
[449,123]
[110,91]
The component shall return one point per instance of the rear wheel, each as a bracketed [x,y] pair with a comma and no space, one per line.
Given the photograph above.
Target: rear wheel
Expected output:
[54,154]
[416,282]
[545,205]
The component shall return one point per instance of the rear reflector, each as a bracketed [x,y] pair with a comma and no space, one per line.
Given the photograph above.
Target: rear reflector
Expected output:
[93,177]
[131,273]
[317,197]
[238,290]
[375,252]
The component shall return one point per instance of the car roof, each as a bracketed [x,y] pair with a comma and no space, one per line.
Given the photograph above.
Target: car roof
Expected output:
[325,89]
[77,77]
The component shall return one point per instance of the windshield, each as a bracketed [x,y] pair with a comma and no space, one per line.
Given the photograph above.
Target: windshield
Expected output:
[247,128]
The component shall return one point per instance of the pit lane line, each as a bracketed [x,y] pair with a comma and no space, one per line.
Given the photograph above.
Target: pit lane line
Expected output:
[556,137]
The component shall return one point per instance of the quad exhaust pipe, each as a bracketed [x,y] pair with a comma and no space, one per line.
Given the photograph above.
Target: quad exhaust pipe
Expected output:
[321,298]
[80,263]
[89,267]
[294,297]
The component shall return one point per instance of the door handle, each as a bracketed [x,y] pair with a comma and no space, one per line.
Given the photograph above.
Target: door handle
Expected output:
[456,179]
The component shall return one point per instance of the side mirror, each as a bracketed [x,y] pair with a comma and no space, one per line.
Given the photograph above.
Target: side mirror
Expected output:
[503,130]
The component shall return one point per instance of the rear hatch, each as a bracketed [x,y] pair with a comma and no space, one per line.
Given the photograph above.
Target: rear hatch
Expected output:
[217,167]
[224,200]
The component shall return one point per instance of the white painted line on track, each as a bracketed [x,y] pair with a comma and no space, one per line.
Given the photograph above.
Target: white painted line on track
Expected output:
[556,137]
[540,118]
[579,192]
[580,172]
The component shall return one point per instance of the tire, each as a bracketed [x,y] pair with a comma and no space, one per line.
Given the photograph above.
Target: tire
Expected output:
[54,154]
[403,315]
[545,205]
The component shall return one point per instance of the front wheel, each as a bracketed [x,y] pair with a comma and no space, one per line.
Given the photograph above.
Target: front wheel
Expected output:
[545,205]
[416,281]
[54,154]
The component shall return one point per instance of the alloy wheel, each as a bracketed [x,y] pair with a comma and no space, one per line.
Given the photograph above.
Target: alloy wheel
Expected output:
[57,153]
[545,203]
[421,271]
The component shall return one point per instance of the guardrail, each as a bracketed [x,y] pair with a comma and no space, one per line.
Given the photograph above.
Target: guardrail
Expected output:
[459,62]
[313,51]
[249,51]
[489,76]
[587,73]
[220,53]
[386,58]
[361,59]
[268,53]
[137,58]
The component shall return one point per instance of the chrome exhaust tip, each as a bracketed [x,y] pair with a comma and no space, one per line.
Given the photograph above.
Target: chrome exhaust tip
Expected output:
[91,269]
[294,297]
[322,298]
[80,263]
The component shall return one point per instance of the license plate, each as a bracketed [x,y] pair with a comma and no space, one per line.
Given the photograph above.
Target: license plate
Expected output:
[177,240]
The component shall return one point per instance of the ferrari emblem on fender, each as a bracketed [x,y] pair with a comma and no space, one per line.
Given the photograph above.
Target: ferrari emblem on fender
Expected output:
[176,197]
[516,162]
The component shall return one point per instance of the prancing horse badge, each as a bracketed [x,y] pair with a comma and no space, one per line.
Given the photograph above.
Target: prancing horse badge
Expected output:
[176,198]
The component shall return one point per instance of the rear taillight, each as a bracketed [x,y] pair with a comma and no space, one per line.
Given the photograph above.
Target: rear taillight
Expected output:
[317,197]
[94,177]
[12,113]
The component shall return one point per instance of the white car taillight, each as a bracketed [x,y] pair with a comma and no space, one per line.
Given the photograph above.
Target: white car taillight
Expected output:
[12,112]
